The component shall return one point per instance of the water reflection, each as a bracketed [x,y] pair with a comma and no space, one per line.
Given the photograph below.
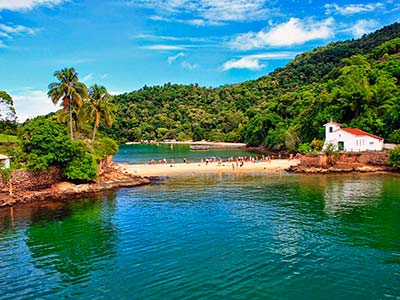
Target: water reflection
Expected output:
[74,237]
[56,242]
[349,193]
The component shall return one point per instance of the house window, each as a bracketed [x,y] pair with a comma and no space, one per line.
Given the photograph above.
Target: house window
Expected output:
[330,129]
[371,143]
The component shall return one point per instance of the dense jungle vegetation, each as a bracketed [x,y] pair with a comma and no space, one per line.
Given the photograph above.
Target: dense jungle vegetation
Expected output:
[355,82]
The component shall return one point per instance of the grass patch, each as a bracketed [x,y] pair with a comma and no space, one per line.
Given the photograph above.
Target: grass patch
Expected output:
[4,138]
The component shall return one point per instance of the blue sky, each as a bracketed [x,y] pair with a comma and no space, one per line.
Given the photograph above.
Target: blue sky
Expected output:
[125,44]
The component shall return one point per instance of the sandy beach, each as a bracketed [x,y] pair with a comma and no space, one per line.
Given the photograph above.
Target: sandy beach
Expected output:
[275,165]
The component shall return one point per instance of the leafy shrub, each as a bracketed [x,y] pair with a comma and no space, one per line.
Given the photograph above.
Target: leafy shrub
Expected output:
[317,144]
[330,150]
[104,147]
[83,166]
[394,157]
[304,148]
[46,143]
[4,138]
[39,162]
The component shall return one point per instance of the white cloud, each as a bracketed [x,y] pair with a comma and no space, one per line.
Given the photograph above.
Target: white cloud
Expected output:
[364,26]
[9,31]
[164,47]
[31,103]
[16,29]
[154,37]
[249,63]
[18,5]
[184,64]
[189,66]
[352,9]
[207,12]
[170,38]
[253,62]
[195,22]
[233,10]
[88,77]
[172,59]
[295,31]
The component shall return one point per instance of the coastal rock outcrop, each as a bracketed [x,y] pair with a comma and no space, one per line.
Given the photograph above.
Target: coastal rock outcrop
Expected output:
[111,178]
[344,163]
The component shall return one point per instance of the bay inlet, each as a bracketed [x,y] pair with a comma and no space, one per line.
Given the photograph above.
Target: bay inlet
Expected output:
[210,236]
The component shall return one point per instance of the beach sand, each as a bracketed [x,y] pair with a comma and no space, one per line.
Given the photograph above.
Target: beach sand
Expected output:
[193,168]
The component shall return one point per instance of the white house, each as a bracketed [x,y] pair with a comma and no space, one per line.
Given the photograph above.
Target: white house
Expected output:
[4,161]
[351,139]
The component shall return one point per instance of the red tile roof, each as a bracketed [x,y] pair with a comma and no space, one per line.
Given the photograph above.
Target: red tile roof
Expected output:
[360,132]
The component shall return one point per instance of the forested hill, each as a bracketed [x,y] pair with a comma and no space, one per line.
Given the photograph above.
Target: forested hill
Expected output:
[311,66]
[356,82]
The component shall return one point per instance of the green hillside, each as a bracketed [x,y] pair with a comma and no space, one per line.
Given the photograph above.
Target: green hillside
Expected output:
[355,82]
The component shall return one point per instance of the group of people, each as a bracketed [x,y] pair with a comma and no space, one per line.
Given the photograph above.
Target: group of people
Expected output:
[237,161]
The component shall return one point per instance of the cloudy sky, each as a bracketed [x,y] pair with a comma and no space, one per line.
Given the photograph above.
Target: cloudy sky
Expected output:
[125,44]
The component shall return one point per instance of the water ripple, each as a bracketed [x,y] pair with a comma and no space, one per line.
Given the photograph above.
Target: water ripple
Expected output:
[232,237]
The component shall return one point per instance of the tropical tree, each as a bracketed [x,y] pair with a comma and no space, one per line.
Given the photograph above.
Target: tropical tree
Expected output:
[69,91]
[8,118]
[98,106]
[6,105]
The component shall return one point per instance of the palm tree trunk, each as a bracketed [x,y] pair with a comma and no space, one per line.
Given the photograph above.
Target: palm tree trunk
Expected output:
[70,122]
[94,131]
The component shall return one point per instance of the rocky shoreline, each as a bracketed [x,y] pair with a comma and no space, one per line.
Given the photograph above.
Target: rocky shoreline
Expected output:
[112,178]
[367,162]
[345,168]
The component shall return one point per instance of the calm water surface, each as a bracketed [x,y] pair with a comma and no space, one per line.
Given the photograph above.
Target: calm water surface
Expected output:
[139,154]
[245,236]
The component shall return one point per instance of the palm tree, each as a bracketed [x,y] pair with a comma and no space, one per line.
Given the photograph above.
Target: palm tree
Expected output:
[69,90]
[99,107]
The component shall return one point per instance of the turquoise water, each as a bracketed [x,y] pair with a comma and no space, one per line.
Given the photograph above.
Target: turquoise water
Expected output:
[139,154]
[233,236]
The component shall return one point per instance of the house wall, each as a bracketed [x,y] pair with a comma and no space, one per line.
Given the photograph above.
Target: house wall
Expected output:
[5,163]
[330,136]
[352,143]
